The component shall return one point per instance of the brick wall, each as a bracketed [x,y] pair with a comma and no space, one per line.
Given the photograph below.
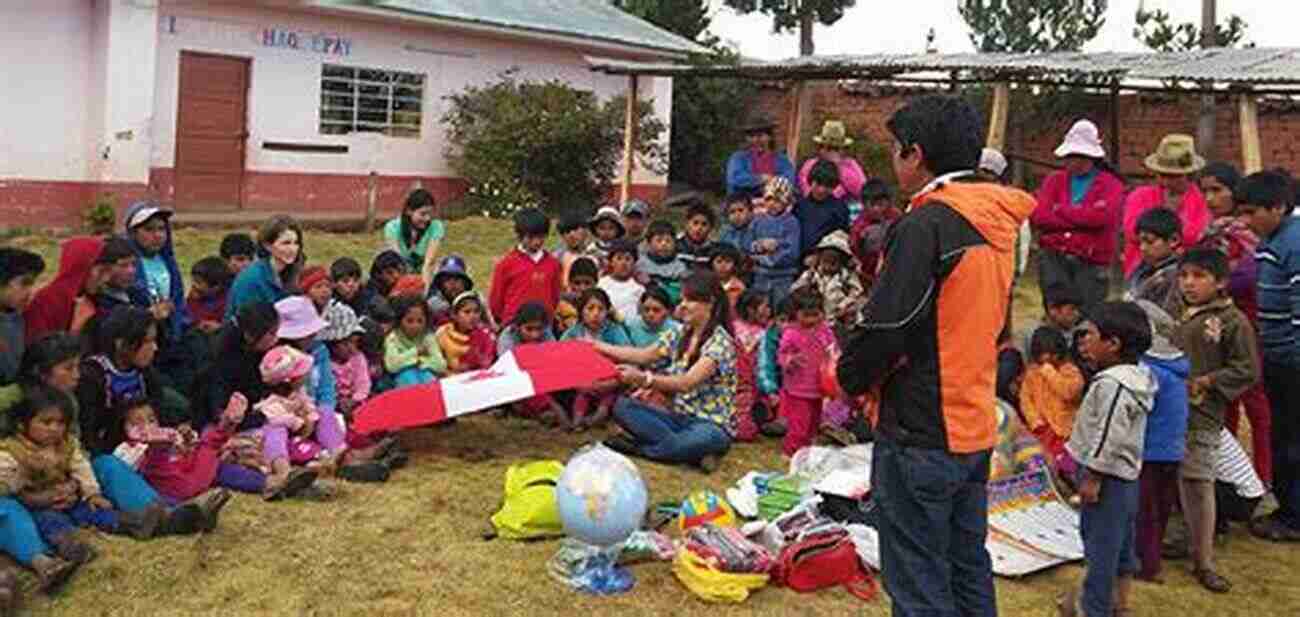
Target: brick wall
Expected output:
[1144,119]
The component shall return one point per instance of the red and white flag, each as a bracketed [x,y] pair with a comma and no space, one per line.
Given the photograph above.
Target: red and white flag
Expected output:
[527,371]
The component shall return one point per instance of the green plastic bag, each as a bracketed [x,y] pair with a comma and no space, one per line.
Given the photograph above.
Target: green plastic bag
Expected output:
[528,511]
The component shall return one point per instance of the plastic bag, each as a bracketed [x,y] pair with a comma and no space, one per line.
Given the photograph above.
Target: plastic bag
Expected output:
[646,546]
[707,582]
[589,569]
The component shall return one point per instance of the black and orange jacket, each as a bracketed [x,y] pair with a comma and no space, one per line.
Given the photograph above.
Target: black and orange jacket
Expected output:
[928,337]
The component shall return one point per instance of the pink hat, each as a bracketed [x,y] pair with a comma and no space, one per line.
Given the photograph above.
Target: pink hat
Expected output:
[1082,140]
[298,318]
[284,364]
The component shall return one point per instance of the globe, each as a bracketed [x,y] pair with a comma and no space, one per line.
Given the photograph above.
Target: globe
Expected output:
[600,496]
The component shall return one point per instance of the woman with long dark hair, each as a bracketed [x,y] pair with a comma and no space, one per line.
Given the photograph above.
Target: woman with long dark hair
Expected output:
[274,276]
[699,424]
[416,235]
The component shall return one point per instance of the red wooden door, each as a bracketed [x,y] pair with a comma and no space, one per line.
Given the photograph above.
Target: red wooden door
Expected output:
[211,131]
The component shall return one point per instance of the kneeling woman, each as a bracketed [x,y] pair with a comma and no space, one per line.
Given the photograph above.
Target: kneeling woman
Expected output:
[697,425]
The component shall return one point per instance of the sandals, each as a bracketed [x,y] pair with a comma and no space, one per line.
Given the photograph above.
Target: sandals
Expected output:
[1211,580]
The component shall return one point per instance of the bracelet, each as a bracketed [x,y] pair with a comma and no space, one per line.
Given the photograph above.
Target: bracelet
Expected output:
[649,379]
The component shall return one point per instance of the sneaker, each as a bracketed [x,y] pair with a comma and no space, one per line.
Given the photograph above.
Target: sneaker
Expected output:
[69,549]
[210,504]
[142,524]
[369,471]
[51,572]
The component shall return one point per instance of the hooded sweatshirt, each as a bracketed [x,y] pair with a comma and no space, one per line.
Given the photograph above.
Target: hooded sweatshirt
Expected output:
[928,334]
[1166,431]
[52,307]
[1110,427]
[140,292]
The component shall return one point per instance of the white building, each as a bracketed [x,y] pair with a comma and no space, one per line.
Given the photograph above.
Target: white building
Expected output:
[284,105]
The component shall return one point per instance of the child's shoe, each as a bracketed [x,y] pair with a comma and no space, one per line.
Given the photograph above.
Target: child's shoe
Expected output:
[288,485]
[69,549]
[142,524]
[51,572]
[183,520]
[210,504]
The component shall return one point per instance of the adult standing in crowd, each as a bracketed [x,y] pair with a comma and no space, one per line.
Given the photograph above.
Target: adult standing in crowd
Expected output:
[1174,162]
[947,269]
[831,143]
[416,235]
[1076,218]
[748,170]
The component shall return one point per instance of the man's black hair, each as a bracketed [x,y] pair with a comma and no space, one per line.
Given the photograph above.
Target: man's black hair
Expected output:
[824,173]
[584,266]
[1267,189]
[571,220]
[948,130]
[345,267]
[17,263]
[623,247]
[737,198]
[1048,340]
[212,270]
[115,248]
[1125,322]
[699,208]
[1210,259]
[660,228]
[1061,295]
[237,244]
[1162,223]
[531,222]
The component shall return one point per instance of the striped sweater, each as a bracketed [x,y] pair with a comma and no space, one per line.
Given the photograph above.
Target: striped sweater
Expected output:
[1278,258]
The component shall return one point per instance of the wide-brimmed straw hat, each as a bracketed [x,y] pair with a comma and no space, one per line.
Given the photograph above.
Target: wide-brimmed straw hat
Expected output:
[1083,139]
[1176,156]
[833,134]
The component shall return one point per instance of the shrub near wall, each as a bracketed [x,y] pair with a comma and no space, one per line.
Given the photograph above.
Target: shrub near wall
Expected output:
[525,143]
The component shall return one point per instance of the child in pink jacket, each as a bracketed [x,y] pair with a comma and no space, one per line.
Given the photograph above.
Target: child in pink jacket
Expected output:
[806,343]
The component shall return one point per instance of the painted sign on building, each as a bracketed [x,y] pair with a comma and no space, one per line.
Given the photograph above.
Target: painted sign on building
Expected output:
[325,44]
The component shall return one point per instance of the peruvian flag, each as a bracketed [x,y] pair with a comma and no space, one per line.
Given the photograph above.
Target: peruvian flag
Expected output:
[524,372]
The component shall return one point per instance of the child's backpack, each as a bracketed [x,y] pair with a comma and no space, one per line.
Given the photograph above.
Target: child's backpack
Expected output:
[528,510]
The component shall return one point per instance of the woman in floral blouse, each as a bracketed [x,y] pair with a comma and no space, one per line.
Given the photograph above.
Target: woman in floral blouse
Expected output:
[698,425]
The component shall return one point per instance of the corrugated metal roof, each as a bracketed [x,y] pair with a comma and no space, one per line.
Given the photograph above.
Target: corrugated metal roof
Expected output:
[1224,66]
[594,19]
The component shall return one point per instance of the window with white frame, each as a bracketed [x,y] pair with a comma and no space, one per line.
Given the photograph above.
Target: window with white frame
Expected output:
[362,100]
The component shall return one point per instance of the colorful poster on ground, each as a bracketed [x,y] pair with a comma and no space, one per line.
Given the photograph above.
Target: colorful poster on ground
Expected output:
[1031,528]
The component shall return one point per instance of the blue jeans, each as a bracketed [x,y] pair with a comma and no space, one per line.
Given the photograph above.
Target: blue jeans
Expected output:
[774,288]
[122,485]
[413,376]
[1108,528]
[19,537]
[670,437]
[933,522]
[54,523]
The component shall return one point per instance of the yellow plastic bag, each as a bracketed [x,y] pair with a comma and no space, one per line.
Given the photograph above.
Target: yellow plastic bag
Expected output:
[713,585]
[528,510]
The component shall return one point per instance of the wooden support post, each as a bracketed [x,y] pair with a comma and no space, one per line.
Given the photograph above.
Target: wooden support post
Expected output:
[1113,138]
[629,140]
[795,127]
[997,138]
[1251,159]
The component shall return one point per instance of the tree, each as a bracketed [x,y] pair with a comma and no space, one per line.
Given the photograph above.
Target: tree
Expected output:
[686,18]
[1156,30]
[1032,26]
[802,14]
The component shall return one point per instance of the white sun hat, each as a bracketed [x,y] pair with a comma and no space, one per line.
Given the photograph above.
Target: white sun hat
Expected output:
[1083,140]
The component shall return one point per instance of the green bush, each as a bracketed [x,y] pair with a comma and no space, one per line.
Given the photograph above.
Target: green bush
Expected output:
[100,216]
[526,143]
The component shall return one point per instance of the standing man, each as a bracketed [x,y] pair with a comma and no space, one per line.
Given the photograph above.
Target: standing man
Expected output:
[749,170]
[927,346]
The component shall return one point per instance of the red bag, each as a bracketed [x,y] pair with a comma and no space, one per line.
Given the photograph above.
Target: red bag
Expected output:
[825,560]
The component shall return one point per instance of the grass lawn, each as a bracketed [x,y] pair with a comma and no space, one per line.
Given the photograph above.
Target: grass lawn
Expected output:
[412,547]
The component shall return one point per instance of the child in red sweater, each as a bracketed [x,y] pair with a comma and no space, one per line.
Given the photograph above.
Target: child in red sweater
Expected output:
[806,343]
[209,279]
[527,273]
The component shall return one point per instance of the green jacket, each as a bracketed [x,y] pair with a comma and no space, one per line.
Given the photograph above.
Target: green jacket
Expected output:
[1220,343]
[401,353]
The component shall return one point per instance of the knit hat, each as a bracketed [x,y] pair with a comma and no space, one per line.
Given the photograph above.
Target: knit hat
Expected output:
[312,275]
[408,284]
[452,265]
[341,322]
[837,240]
[608,213]
[1082,140]
[780,189]
[298,318]
[284,364]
